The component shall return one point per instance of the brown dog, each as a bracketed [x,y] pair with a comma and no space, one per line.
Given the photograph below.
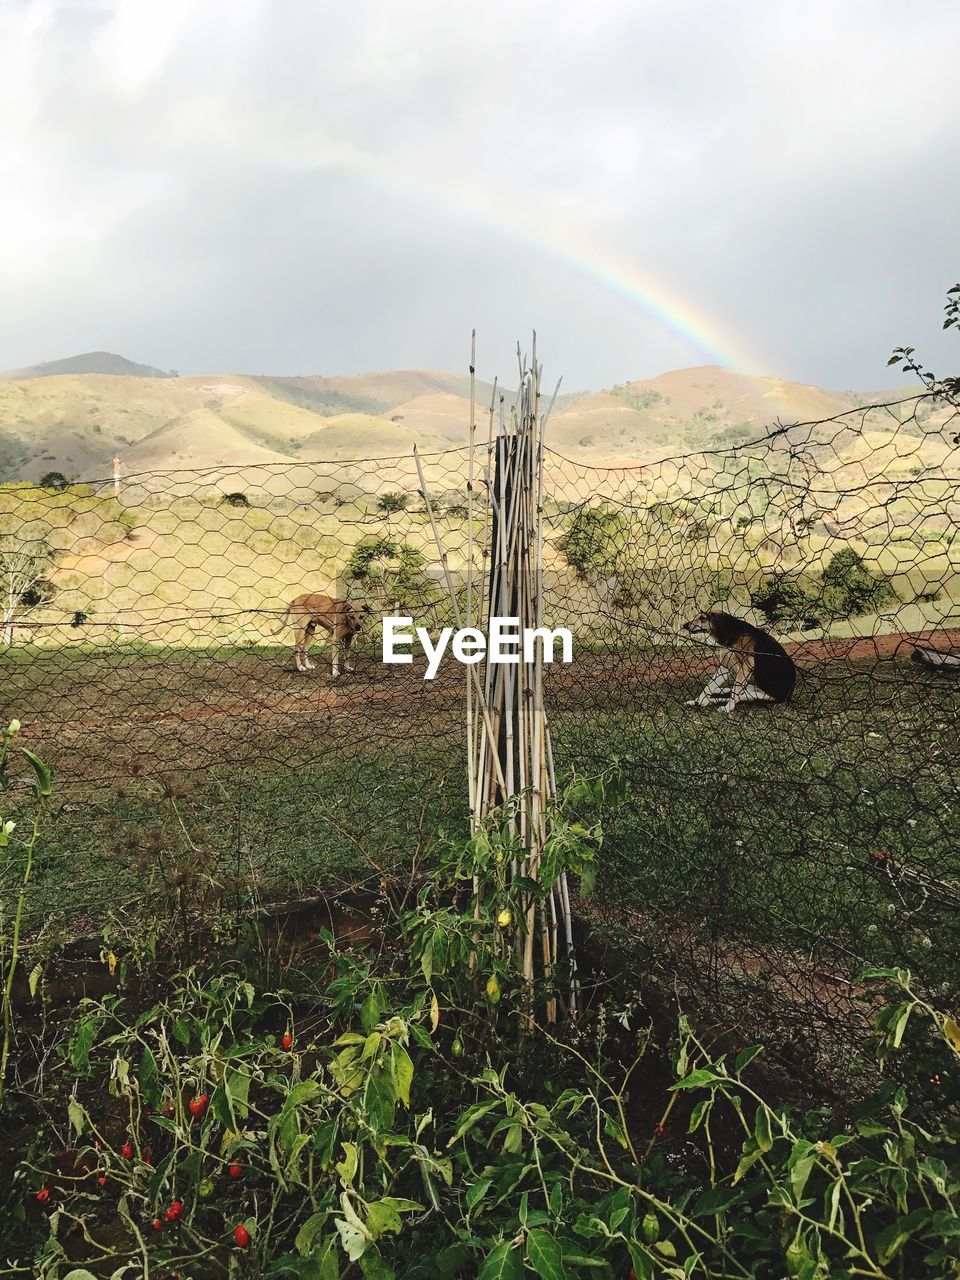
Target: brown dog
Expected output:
[342,619]
[755,667]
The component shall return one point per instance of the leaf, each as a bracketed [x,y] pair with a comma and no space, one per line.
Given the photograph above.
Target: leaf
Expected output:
[43,771]
[746,1056]
[761,1128]
[370,1012]
[477,1191]
[951,1032]
[36,973]
[353,1240]
[470,1117]
[374,1267]
[149,1076]
[434,1011]
[513,1139]
[76,1115]
[379,1098]
[502,1264]
[892,1238]
[697,1079]
[347,1167]
[371,1045]
[307,1235]
[716,1200]
[700,1113]
[545,1255]
[800,1169]
[747,1161]
[382,1217]
[901,1026]
[82,1040]
[402,1069]
[613,1130]
[237,1086]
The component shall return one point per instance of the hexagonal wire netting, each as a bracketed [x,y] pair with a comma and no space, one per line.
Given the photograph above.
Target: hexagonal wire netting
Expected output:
[761,855]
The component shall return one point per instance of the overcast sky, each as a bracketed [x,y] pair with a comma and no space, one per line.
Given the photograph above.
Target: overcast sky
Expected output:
[290,186]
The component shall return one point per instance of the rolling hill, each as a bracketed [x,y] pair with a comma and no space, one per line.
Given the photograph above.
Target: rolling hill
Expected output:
[74,416]
[89,362]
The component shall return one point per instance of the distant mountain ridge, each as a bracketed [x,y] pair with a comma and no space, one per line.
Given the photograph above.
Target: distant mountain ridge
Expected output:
[102,362]
[75,422]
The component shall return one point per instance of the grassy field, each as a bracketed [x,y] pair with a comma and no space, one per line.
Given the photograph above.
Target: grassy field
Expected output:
[185,781]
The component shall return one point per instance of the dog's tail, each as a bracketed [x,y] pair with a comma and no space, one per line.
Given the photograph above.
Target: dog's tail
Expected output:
[275,631]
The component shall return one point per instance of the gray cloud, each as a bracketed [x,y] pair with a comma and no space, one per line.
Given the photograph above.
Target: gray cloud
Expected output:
[307,187]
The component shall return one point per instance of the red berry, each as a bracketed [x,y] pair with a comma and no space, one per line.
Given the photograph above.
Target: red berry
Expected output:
[241,1235]
[235,1170]
[102,1180]
[43,1195]
[175,1212]
[286,1040]
[158,1224]
[198,1105]
[148,1158]
[126,1151]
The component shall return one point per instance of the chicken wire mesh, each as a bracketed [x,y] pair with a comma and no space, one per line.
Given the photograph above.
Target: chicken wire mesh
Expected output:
[761,855]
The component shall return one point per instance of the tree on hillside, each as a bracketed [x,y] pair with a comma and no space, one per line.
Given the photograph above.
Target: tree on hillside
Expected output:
[23,580]
[54,480]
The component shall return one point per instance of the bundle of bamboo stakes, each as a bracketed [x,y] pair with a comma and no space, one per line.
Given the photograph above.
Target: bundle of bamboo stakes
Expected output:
[511,776]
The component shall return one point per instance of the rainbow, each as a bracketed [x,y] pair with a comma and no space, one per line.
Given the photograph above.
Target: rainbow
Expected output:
[655,299]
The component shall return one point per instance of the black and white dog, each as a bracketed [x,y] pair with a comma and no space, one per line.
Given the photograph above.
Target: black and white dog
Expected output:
[754,667]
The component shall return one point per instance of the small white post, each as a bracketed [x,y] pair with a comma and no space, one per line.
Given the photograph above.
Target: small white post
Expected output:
[116,477]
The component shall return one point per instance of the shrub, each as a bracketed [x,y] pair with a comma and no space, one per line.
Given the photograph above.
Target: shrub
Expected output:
[851,588]
[781,597]
[390,503]
[847,588]
[393,569]
[595,538]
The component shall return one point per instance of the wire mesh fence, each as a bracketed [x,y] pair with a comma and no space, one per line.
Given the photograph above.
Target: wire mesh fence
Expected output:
[766,848]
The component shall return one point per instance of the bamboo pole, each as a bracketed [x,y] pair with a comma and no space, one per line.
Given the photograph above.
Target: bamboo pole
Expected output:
[509,751]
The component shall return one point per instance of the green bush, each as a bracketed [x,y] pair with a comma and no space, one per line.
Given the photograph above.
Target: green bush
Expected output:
[847,588]
[391,503]
[397,1113]
[390,569]
[594,540]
